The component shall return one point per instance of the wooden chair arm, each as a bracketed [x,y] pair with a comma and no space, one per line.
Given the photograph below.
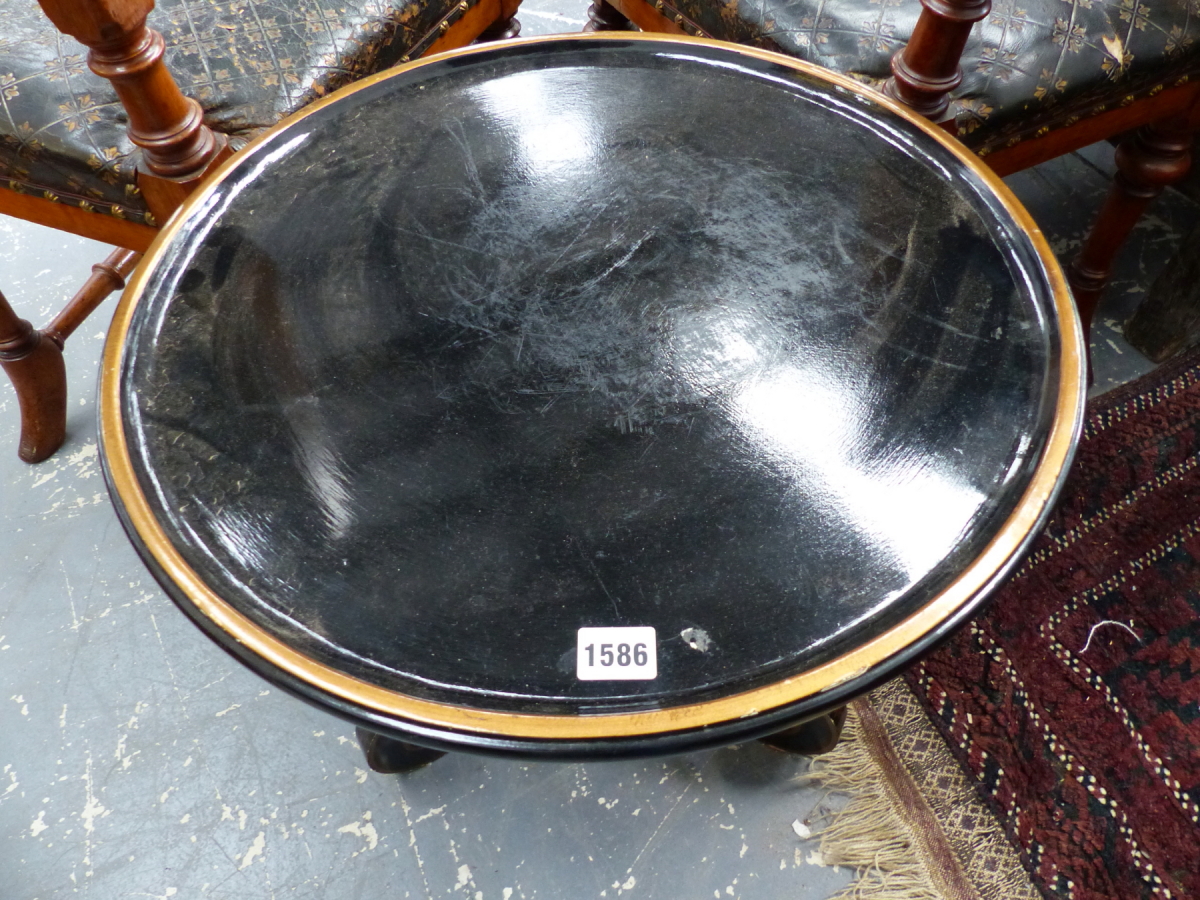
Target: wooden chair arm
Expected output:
[177,147]
[927,69]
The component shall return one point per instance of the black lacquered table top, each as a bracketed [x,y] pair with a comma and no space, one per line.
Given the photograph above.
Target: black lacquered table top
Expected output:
[589,333]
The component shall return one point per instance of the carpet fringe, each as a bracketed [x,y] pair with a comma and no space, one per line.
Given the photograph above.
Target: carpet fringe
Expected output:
[867,835]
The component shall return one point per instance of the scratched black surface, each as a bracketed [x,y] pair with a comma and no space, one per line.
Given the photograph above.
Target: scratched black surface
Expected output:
[594,335]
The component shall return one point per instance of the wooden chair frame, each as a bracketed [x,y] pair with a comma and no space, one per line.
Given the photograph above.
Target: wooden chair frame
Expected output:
[177,151]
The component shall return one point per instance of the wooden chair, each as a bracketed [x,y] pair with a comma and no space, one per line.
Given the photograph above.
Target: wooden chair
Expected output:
[1034,79]
[111,157]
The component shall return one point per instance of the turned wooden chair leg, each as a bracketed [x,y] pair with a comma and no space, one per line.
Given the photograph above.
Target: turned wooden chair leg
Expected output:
[34,364]
[507,26]
[603,16]
[389,756]
[819,735]
[1153,157]
[927,69]
[177,147]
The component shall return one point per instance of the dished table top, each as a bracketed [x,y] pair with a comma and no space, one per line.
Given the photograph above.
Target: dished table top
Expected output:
[590,333]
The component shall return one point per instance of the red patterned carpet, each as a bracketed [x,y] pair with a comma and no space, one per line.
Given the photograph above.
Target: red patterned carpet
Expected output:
[1074,701]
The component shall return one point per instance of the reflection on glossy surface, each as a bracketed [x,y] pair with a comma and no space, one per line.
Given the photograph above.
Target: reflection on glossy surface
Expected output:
[612,337]
[909,504]
[552,135]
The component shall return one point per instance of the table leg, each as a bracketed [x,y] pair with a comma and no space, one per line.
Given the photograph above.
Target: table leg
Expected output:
[392,757]
[819,735]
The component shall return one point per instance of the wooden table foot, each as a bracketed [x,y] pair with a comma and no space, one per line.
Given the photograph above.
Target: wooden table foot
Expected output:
[389,756]
[819,735]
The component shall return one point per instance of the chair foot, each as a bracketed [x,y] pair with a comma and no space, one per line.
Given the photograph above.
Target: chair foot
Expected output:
[34,364]
[819,735]
[603,16]
[389,756]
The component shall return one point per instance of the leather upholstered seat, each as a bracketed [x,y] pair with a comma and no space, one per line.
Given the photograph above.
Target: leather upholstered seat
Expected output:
[1029,67]
[248,62]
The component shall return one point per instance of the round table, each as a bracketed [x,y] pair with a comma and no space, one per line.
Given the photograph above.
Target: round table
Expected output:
[591,396]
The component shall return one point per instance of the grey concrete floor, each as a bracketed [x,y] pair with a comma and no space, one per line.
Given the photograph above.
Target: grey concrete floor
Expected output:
[137,760]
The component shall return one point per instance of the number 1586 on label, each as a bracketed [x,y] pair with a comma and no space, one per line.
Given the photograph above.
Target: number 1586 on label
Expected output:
[616,654]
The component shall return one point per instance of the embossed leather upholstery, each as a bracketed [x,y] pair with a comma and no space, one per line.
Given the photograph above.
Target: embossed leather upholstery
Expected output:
[248,62]
[1031,66]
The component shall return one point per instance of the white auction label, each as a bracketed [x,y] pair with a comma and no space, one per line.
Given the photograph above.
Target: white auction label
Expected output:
[616,654]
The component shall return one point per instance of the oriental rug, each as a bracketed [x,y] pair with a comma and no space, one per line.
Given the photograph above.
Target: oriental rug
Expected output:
[1052,746]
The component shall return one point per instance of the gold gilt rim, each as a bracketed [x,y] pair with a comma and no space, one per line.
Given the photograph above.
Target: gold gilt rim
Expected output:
[978,575]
